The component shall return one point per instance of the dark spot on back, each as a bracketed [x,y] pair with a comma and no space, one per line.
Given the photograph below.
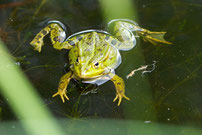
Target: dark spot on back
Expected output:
[120,38]
[44,32]
[87,50]
[89,43]
[38,41]
[71,42]
[99,49]
[118,83]
[110,58]
[119,44]
[114,42]
[39,36]
[79,38]
[107,38]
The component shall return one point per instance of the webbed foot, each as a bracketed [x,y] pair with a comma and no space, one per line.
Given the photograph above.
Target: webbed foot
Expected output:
[62,94]
[153,37]
[120,96]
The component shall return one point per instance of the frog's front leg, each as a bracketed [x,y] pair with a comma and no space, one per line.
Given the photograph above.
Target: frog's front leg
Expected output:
[64,81]
[57,36]
[120,88]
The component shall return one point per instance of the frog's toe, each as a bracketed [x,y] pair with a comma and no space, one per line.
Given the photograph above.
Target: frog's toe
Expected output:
[115,98]
[120,96]
[62,95]
[126,97]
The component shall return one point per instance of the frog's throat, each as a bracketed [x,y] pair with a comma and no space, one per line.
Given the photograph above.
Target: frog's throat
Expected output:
[78,77]
[85,77]
[99,80]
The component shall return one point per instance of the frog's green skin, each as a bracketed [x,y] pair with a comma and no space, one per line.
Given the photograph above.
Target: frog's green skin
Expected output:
[94,54]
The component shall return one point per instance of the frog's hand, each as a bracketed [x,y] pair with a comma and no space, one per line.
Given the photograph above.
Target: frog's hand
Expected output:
[153,37]
[57,36]
[120,88]
[64,81]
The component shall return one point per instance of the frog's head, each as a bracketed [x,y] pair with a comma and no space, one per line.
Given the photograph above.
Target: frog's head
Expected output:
[85,65]
[92,58]
[88,69]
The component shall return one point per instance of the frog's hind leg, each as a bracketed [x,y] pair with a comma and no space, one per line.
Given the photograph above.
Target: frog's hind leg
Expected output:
[57,36]
[124,35]
[126,31]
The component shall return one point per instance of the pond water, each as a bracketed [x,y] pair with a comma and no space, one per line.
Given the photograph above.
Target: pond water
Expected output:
[170,94]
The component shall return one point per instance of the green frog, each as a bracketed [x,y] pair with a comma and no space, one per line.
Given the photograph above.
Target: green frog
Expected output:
[94,54]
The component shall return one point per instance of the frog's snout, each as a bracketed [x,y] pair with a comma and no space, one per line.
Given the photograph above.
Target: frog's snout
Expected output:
[84,73]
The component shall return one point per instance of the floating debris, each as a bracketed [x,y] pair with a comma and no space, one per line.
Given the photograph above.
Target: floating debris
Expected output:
[147,69]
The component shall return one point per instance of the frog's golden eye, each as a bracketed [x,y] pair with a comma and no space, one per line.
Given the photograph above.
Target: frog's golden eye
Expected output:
[77,60]
[96,64]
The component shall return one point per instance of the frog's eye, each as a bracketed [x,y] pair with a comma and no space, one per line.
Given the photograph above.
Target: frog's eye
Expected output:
[96,64]
[77,60]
